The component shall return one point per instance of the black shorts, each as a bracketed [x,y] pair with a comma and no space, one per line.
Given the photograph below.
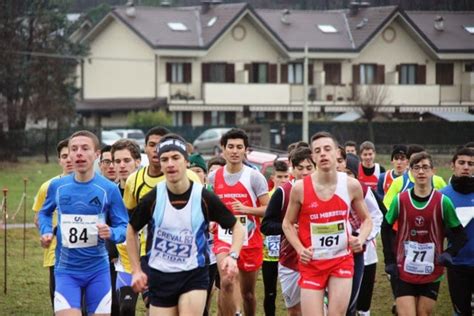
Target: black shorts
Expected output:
[429,290]
[166,287]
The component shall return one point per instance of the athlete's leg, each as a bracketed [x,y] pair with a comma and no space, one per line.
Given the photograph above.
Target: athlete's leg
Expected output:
[127,298]
[339,295]
[290,289]
[226,301]
[270,276]
[115,309]
[248,280]
[458,279]
[67,295]
[367,288]
[406,305]
[99,294]
[312,302]
[356,282]
[192,303]
[425,306]
[210,288]
[51,285]
[163,311]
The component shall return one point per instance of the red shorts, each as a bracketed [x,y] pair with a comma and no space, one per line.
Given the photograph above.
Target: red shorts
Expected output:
[316,279]
[250,259]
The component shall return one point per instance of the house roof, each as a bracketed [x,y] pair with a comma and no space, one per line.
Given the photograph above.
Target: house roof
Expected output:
[454,37]
[354,32]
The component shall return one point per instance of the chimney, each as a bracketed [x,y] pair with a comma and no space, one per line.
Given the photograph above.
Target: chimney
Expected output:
[439,23]
[130,11]
[355,6]
[207,5]
[285,14]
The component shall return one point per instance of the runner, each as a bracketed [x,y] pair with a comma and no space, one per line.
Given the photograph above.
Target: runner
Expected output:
[106,163]
[143,181]
[244,191]
[126,157]
[369,170]
[84,201]
[416,262]
[288,273]
[461,193]
[350,147]
[271,247]
[399,162]
[320,205]
[66,165]
[178,212]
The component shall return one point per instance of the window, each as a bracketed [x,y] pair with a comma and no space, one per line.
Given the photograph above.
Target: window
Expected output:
[217,72]
[469,67]
[367,73]
[260,73]
[177,72]
[407,74]
[177,26]
[332,73]
[444,73]
[295,73]
[327,28]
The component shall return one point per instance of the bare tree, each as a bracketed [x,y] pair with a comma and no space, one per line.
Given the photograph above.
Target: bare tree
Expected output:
[368,100]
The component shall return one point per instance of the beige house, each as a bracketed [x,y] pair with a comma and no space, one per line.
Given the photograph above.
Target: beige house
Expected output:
[231,63]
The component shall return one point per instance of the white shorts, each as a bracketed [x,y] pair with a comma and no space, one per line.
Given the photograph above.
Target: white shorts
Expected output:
[289,285]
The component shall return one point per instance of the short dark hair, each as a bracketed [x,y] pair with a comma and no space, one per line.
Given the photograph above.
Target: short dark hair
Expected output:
[417,157]
[324,134]
[367,145]
[465,151]
[413,149]
[280,165]
[235,133]
[105,149]
[343,152]
[88,134]
[218,160]
[129,144]
[157,130]
[62,143]
[469,145]
[350,143]
[301,154]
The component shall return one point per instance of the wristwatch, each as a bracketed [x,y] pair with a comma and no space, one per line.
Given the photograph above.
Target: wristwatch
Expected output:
[234,255]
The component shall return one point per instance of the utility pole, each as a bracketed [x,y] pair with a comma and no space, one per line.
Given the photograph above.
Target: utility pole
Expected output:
[305,95]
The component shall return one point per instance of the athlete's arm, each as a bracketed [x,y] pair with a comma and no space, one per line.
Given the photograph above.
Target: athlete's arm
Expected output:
[359,206]
[45,216]
[271,223]
[140,217]
[457,235]
[375,213]
[118,217]
[291,218]
[260,188]
[39,201]
[388,235]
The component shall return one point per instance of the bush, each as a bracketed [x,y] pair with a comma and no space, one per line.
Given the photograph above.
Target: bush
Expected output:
[149,118]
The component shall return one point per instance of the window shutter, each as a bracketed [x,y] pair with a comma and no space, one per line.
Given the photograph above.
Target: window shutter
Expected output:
[229,73]
[380,76]
[272,73]
[398,68]
[356,74]
[168,72]
[444,73]
[205,72]
[284,73]
[421,74]
[187,73]
[310,74]
[248,67]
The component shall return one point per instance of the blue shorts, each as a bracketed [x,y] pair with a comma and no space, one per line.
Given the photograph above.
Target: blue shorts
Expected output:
[96,286]
[123,279]
[166,287]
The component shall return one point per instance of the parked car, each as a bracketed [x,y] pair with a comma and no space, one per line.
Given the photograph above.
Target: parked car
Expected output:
[109,137]
[263,161]
[209,142]
[135,134]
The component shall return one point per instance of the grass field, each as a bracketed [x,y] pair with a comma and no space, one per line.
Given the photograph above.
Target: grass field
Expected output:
[27,286]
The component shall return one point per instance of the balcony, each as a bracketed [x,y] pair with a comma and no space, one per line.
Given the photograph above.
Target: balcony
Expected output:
[246,93]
